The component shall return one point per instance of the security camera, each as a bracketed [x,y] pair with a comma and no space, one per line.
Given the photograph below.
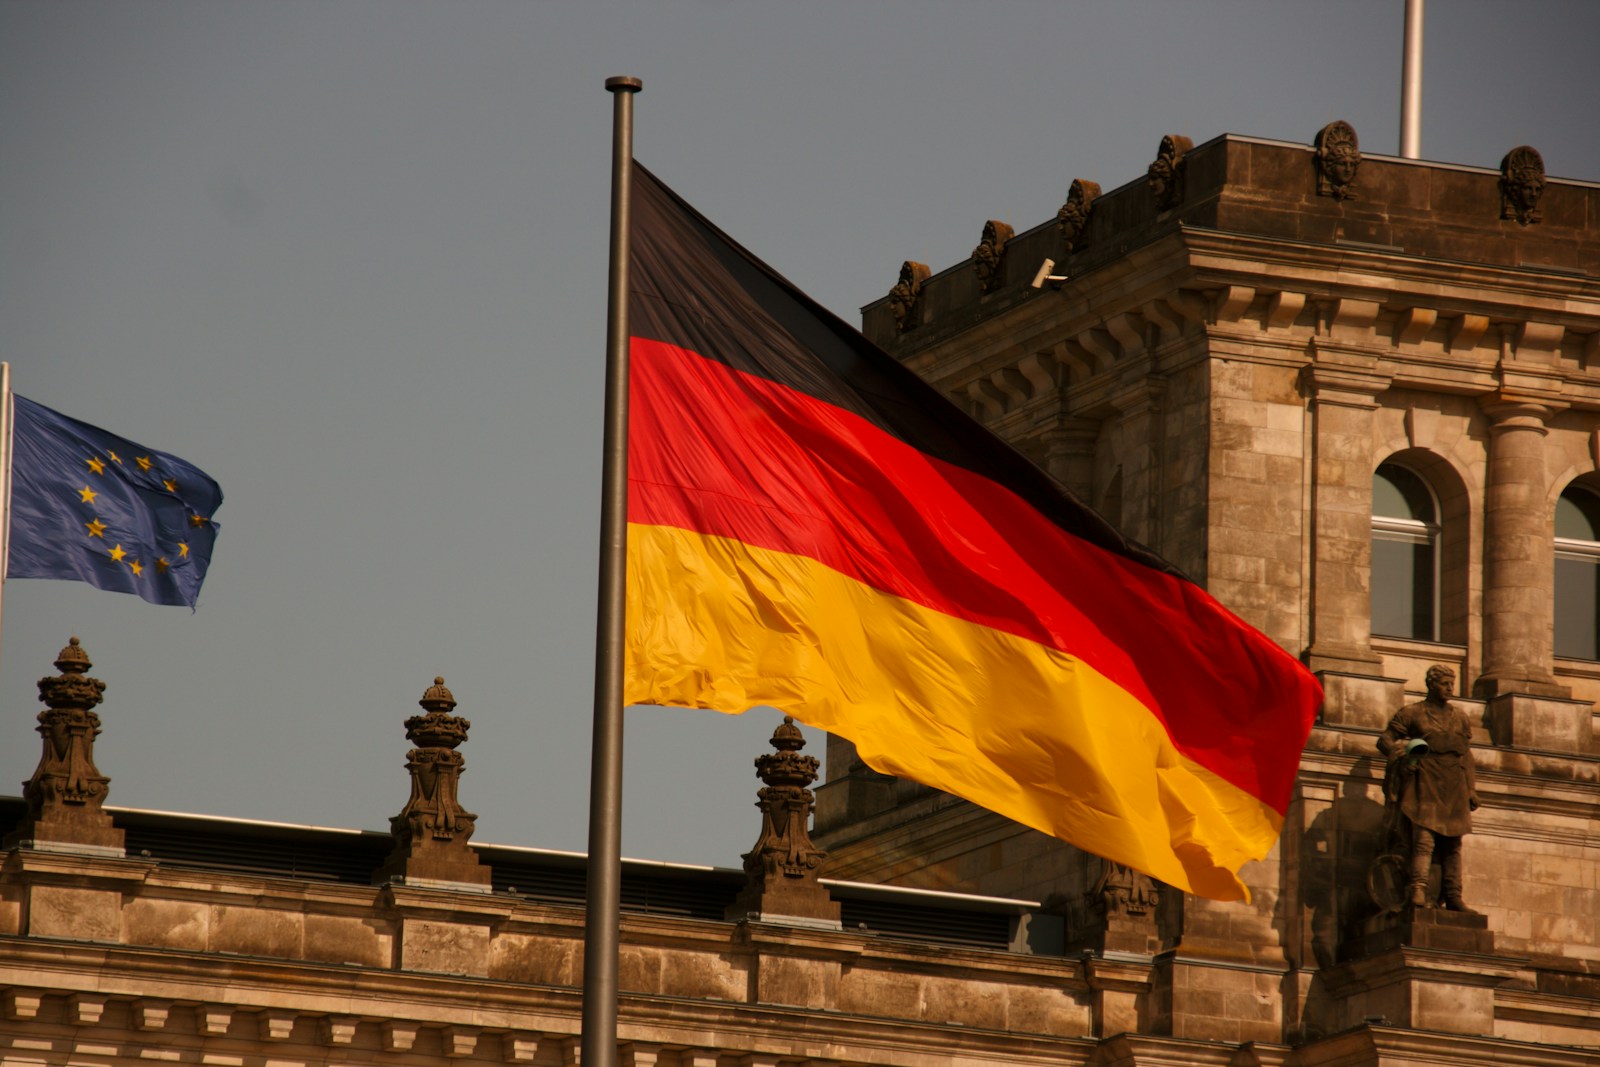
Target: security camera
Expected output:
[1044,275]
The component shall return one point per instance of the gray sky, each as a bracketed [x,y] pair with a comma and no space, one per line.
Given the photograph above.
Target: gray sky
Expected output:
[350,258]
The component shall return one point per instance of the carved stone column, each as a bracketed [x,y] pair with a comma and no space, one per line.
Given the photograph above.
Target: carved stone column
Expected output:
[782,870]
[67,792]
[432,830]
[1519,554]
[1343,405]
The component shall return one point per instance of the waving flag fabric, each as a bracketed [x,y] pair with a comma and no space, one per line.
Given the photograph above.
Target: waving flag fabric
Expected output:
[89,506]
[813,527]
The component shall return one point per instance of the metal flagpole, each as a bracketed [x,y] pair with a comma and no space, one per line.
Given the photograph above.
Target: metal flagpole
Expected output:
[1411,84]
[601,935]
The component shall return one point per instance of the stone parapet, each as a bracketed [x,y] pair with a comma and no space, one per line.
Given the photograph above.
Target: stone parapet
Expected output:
[282,953]
[116,1005]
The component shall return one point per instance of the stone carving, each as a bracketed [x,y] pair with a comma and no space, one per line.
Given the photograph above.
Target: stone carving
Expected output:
[1121,890]
[432,830]
[1073,219]
[435,769]
[1521,185]
[988,258]
[1338,158]
[66,795]
[907,294]
[783,868]
[1165,176]
[1431,789]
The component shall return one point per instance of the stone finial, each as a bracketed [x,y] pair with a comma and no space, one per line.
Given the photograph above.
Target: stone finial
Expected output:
[67,793]
[1338,156]
[1072,221]
[1165,176]
[1521,185]
[988,259]
[432,830]
[782,870]
[907,294]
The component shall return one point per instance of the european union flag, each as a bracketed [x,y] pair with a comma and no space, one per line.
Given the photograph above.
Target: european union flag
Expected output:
[89,506]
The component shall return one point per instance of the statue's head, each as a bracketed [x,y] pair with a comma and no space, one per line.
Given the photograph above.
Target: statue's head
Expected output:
[1441,681]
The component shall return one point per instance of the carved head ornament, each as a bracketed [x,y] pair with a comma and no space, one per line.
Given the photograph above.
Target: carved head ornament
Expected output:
[989,256]
[1521,185]
[1165,176]
[1073,218]
[907,293]
[1338,156]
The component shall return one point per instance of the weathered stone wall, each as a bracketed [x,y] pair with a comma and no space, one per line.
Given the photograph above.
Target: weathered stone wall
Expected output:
[230,964]
[1278,342]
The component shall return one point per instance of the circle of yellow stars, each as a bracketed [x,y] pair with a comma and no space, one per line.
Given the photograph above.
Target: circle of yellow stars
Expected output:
[96,528]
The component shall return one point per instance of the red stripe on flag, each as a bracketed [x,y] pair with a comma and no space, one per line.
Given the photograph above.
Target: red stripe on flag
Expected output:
[732,454]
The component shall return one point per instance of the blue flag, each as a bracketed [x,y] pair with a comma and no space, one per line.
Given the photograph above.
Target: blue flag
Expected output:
[89,506]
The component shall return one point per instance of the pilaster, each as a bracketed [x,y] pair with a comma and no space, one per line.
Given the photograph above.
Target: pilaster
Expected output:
[1344,387]
[1139,420]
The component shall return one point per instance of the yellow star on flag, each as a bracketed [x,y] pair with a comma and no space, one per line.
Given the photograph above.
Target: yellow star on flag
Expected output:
[96,528]
[172,486]
[114,457]
[96,464]
[136,568]
[144,462]
[87,495]
[197,520]
[162,565]
[117,554]
[183,550]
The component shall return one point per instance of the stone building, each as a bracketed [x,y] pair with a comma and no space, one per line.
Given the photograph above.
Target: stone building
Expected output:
[1359,398]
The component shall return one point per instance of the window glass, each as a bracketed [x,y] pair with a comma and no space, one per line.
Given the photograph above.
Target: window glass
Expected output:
[1577,577]
[1576,513]
[1405,541]
[1399,494]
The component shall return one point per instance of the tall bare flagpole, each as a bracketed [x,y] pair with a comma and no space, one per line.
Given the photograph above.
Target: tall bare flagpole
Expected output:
[1411,84]
[601,935]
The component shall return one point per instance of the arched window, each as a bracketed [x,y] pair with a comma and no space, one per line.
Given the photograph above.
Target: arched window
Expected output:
[1405,555]
[1578,574]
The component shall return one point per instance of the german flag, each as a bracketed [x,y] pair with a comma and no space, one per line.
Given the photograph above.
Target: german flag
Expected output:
[813,527]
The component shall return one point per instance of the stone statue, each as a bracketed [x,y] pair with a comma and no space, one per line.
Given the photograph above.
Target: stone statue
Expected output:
[1430,780]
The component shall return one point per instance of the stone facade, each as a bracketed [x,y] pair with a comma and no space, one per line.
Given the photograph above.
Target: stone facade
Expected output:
[1220,363]
[1243,337]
